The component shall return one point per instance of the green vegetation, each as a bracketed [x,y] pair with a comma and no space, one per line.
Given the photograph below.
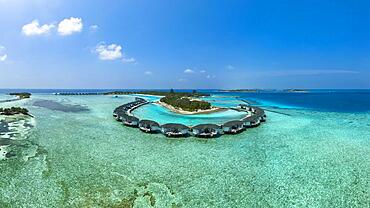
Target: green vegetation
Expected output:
[194,93]
[13,111]
[21,95]
[179,100]
[159,93]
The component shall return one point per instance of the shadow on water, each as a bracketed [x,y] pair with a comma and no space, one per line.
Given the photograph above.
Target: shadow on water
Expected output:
[53,105]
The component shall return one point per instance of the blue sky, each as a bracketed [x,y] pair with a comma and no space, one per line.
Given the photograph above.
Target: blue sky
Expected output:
[184,44]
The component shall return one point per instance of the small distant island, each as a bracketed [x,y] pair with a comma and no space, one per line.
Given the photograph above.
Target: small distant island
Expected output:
[21,95]
[14,111]
[148,92]
[241,90]
[296,90]
[171,92]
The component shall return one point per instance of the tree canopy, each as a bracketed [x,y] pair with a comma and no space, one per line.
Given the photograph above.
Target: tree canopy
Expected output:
[185,102]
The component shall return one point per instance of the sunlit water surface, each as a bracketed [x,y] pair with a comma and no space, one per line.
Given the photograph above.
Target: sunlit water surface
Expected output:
[298,158]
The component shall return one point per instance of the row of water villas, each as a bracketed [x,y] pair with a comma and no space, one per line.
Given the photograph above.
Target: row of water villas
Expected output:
[123,114]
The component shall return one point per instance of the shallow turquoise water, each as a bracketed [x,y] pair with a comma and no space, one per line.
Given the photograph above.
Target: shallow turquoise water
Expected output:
[300,158]
[162,115]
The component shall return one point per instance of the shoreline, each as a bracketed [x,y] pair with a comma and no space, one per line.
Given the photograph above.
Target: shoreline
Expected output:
[182,112]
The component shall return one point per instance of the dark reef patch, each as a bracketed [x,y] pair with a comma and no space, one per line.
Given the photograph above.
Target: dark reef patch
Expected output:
[53,105]
[3,127]
[14,132]
[5,142]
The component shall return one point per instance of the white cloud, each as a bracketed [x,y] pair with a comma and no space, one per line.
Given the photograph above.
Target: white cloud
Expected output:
[189,71]
[202,71]
[148,73]
[230,67]
[3,55]
[182,80]
[94,28]
[70,26]
[34,28]
[129,60]
[112,52]
[108,52]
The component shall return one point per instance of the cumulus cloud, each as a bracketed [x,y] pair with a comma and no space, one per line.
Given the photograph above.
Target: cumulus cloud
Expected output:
[112,52]
[70,26]
[3,55]
[148,73]
[108,52]
[202,71]
[34,28]
[189,71]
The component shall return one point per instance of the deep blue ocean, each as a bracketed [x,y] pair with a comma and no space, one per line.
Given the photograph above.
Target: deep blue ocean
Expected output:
[319,100]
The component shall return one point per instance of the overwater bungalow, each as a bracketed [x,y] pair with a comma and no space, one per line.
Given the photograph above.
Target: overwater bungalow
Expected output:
[118,116]
[149,126]
[260,114]
[251,121]
[233,127]
[130,120]
[175,130]
[244,106]
[207,130]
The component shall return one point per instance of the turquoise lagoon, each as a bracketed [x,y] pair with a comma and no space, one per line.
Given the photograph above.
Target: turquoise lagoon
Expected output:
[301,157]
[162,115]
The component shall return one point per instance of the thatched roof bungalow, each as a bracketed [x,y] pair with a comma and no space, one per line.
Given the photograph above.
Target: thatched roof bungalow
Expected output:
[130,120]
[251,121]
[206,130]
[175,130]
[233,127]
[149,126]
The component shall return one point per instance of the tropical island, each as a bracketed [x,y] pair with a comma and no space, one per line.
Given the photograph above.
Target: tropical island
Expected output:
[187,103]
[194,93]
[171,92]
[14,111]
[21,95]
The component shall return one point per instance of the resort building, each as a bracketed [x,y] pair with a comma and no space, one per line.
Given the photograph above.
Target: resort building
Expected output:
[251,121]
[130,120]
[149,126]
[233,127]
[207,130]
[244,106]
[175,130]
